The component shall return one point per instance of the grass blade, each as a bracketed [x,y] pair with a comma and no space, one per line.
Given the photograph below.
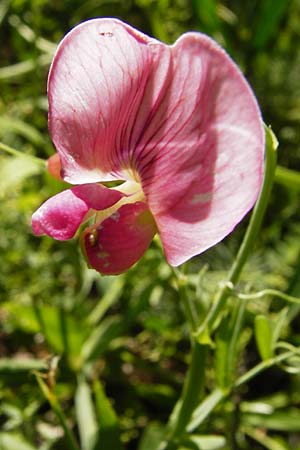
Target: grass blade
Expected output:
[85,414]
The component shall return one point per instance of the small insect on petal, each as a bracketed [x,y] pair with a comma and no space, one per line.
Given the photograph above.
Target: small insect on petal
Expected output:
[106,33]
[92,237]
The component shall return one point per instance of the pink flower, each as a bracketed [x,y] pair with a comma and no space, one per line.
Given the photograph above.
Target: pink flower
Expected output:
[179,125]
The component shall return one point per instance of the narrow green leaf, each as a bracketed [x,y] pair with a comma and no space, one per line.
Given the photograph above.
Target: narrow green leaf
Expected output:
[24,67]
[13,365]
[206,10]
[267,404]
[4,5]
[29,35]
[10,124]
[284,420]
[101,337]
[152,437]
[59,328]
[105,413]
[257,407]
[14,152]
[14,441]
[269,15]
[109,433]
[157,393]
[203,443]
[111,296]
[263,336]
[66,336]
[85,415]
[288,178]
[265,440]
[221,354]
[205,408]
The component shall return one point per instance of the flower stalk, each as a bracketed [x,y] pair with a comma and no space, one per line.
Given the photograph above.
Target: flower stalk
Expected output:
[56,408]
[194,385]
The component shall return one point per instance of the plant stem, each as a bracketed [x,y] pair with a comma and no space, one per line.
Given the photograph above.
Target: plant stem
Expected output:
[193,388]
[194,384]
[36,306]
[192,392]
[56,408]
[63,324]
[188,305]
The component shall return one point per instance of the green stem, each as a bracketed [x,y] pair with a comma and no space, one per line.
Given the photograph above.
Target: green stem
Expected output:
[36,306]
[250,235]
[193,388]
[238,318]
[187,303]
[192,392]
[63,324]
[56,408]
[14,152]
[194,385]
[70,438]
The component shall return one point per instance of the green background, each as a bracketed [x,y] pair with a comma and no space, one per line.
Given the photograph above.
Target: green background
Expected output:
[129,331]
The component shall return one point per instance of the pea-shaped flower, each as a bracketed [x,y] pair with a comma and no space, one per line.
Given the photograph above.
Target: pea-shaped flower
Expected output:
[179,125]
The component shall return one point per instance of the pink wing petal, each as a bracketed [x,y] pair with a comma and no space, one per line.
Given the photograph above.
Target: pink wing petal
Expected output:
[118,242]
[201,157]
[61,215]
[95,86]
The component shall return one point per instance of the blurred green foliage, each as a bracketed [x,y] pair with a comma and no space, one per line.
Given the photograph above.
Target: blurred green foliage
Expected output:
[122,341]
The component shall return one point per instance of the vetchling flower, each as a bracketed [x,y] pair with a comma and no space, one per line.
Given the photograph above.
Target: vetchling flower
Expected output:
[179,125]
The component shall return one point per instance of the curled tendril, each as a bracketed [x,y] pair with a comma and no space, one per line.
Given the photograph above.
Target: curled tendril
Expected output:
[264,293]
[291,364]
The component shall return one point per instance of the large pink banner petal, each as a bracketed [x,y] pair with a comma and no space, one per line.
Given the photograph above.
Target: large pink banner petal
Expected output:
[118,242]
[61,215]
[201,168]
[95,87]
